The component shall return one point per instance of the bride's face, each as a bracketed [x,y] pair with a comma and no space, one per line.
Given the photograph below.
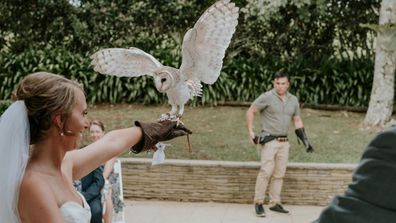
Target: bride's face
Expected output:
[77,122]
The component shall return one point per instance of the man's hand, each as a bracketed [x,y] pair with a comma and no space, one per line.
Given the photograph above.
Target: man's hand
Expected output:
[251,137]
[300,132]
[310,149]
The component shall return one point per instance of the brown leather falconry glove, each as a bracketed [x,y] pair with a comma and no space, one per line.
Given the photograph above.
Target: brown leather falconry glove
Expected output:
[158,131]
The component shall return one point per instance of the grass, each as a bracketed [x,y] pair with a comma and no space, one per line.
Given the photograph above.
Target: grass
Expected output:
[219,133]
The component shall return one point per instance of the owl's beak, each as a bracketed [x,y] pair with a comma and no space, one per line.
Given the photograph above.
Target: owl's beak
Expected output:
[158,86]
[160,90]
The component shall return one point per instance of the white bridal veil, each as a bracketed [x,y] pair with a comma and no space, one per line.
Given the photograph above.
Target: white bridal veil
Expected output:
[14,153]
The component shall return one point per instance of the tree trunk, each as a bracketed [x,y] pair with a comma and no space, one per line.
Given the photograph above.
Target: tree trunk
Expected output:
[382,94]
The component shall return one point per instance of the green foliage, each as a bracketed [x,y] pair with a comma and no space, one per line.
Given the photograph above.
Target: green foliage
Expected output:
[99,88]
[4,104]
[322,43]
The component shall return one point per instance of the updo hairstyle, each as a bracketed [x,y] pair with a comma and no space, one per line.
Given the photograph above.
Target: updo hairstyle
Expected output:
[46,95]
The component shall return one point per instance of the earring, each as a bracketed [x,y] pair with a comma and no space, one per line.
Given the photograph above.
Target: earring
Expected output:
[62,134]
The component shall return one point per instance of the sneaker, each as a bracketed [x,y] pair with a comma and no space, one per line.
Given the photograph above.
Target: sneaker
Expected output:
[279,208]
[259,210]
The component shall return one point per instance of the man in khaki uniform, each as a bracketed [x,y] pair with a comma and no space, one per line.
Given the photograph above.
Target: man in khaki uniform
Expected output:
[278,108]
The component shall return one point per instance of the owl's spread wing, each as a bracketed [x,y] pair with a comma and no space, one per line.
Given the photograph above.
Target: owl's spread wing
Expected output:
[131,62]
[205,44]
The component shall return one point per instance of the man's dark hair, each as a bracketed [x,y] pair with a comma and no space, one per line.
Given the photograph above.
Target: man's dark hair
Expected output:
[281,73]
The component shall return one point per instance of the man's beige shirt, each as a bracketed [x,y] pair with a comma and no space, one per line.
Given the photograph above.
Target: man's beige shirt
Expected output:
[276,115]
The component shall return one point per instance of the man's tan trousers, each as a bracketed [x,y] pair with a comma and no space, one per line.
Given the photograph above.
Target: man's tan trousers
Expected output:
[274,157]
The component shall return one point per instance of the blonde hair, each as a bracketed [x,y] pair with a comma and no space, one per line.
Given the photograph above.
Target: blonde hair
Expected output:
[46,95]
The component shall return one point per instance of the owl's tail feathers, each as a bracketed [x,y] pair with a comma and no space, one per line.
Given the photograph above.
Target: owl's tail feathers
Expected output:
[194,87]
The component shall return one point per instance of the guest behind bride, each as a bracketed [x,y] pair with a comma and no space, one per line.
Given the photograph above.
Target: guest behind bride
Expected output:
[110,194]
[50,114]
[91,187]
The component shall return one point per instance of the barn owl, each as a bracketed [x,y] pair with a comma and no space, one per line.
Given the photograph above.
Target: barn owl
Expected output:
[203,51]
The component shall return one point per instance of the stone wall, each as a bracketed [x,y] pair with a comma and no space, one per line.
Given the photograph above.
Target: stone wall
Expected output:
[229,182]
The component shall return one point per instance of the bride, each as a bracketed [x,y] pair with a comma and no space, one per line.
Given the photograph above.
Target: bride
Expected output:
[38,160]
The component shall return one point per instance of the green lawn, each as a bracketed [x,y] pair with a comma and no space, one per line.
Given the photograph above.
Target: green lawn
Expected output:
[219,133]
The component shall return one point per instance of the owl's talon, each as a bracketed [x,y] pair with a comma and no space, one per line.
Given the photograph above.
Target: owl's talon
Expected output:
[168,116]
[179,122]
[178,119]
[165,117]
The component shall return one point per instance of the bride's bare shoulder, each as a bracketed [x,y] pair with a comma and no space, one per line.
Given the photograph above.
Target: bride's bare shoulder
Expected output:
[34,183]
[35,197]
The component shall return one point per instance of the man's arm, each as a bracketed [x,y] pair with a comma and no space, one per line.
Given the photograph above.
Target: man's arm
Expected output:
[297,121]
[249,122]
[300,132]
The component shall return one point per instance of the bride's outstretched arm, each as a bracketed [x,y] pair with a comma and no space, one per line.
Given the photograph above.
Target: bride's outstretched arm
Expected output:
[142,137]
[110,145]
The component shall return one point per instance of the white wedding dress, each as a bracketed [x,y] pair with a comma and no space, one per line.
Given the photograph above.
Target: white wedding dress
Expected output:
[73,212]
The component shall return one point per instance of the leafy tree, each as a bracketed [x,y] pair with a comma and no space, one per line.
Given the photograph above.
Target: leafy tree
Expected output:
[320,42]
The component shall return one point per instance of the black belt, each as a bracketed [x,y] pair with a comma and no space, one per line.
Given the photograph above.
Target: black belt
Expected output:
[281,138]
[265,137]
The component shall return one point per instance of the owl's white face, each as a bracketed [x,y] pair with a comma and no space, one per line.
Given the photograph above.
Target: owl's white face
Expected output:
[163,80]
